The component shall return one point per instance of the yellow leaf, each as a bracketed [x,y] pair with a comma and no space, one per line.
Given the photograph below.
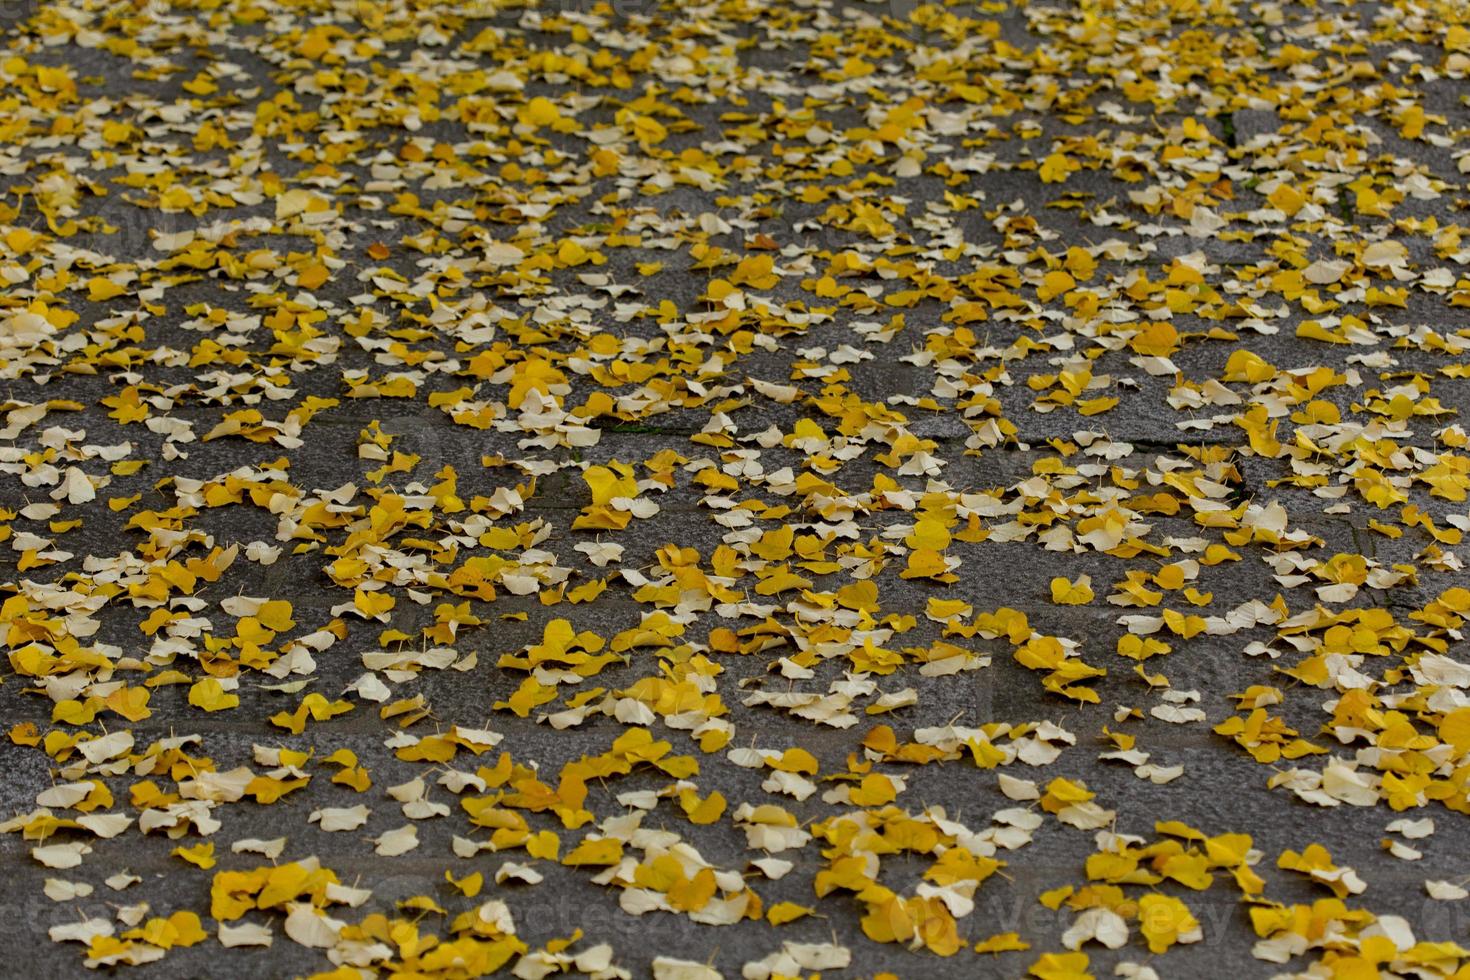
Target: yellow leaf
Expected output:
[876,789]
[130,702]
[540,111]
[1065,593]
[1056,168]
[601,852]
[209,695]
[928,534]
[276,615]
[1003,942]
[200,855]
[784,912]
[100,288]
[705,811]
[469,886]
[1054,284]
[544,845]
[1061,966]
[373,605]
[1164,920]
[1454,729]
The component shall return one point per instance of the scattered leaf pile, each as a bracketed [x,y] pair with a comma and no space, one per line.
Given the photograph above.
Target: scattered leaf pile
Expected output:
[746,488]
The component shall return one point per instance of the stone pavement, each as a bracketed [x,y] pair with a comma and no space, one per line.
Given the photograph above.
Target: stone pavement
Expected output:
[734,489]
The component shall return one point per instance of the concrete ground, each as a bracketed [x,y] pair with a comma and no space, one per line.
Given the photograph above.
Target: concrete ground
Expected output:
[364,306]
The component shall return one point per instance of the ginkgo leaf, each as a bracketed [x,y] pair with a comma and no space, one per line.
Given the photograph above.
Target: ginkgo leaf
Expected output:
[1066,593]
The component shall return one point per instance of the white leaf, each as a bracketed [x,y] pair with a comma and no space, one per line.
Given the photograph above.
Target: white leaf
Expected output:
[245,934]
[311,928]
[396,842]
[1445,891]
[668,968]
[333,819]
